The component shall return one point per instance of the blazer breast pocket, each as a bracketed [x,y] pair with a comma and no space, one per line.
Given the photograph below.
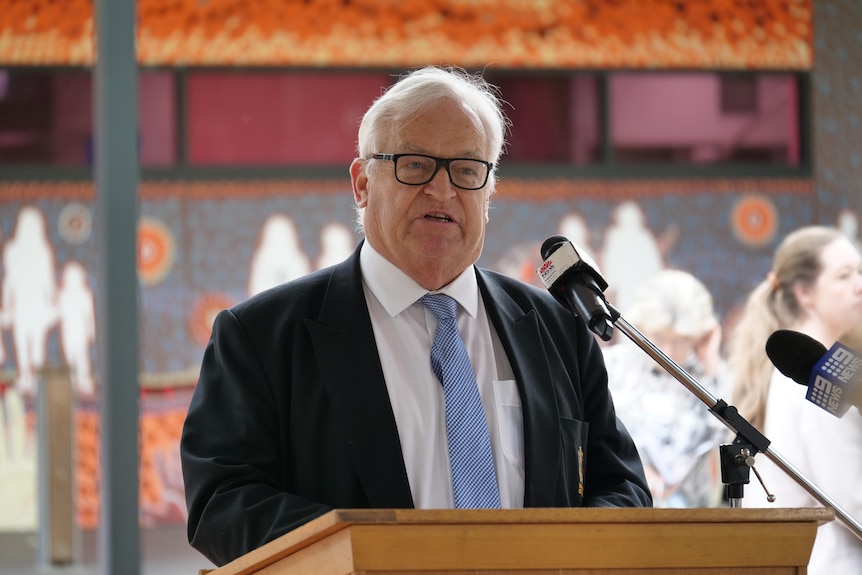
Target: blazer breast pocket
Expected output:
[510,420]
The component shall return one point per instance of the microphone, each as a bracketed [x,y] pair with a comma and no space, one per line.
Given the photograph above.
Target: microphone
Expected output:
[574,280]
[832,375]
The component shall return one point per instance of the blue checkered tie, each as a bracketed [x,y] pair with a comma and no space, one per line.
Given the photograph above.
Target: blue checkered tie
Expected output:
[474,480]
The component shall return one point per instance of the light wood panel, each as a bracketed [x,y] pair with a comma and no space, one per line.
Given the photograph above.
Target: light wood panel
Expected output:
[57,410]
[543,542]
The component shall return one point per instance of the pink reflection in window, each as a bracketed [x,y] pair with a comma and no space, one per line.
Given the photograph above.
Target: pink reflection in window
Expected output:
[272,118]
[555,119]
[157,119]
[704,118]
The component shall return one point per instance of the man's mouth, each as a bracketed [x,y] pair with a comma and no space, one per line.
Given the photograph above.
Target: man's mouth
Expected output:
[438,217]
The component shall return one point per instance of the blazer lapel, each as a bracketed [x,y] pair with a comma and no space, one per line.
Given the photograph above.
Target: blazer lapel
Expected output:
[520,335]
[357,389]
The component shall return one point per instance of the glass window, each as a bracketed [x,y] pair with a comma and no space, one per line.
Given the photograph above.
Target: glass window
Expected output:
[271,118]
[70,130]
[157,116]
[555,118]
[265,119]
[46,118]
[26,117]
[704,118]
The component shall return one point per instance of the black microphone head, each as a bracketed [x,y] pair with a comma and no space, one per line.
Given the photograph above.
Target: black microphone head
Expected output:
[551,244]
[794,354]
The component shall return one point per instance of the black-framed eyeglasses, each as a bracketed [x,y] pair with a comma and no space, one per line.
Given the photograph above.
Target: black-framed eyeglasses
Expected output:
[418,169]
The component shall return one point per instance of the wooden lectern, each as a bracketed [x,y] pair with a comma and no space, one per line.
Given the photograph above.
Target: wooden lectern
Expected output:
[584,541]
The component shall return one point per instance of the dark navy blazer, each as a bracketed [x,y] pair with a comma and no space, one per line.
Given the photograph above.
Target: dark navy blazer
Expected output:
[291,417]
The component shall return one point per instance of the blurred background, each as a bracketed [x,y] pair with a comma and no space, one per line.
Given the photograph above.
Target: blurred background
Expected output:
[656,134]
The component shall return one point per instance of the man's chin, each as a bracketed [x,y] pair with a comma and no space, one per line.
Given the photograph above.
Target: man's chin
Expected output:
[447,252]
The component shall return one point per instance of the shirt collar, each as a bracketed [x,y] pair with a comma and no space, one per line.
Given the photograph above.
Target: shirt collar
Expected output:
[397,291]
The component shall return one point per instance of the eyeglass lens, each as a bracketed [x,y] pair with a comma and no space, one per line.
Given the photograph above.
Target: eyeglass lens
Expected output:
[464,173]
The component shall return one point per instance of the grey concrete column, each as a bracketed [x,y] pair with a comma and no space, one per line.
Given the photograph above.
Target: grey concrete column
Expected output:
[116,179]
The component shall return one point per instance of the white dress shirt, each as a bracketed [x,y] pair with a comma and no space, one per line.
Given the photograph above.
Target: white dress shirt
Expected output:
[403,330]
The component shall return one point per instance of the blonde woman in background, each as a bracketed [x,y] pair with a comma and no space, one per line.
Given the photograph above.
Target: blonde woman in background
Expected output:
[675,434]
[814,287]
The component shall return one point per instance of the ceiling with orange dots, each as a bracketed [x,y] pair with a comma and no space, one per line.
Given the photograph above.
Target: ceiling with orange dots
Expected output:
[732,34]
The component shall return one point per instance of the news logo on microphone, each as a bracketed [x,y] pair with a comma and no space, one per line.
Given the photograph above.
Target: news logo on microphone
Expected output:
[833,380]
[557,263]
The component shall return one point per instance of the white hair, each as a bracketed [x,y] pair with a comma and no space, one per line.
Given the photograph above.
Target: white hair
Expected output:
[673,300]
[422,88]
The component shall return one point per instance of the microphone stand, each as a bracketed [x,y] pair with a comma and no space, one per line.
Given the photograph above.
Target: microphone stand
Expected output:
[738,457]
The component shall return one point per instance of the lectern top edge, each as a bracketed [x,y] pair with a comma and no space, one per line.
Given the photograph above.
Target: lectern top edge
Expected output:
[337,520]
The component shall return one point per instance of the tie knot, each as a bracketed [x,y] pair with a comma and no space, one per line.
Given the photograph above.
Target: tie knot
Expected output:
[441,305]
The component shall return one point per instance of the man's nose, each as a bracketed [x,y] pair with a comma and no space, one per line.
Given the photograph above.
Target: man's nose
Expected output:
[441,185]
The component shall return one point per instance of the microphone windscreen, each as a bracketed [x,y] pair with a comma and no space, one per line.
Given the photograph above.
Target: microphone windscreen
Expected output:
[551,244]
[794,354]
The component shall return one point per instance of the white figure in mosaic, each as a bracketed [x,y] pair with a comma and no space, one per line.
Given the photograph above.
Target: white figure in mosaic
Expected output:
[279,257]
[630,254]
[76,308]
[573,227]
[29,294]
[337,242]
[848,224]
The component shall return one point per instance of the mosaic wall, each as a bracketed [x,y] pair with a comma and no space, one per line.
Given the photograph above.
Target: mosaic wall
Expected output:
[505,33]
[199,243]
[837,99]
[203,247]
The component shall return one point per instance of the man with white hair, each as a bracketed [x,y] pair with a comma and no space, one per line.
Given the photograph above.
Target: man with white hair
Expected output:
[404,376]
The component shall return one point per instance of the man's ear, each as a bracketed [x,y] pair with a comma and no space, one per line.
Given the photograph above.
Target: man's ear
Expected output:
[488,205]
[359,180]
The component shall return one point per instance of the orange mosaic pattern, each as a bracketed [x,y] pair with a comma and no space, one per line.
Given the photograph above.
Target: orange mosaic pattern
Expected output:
[203,313]
[161,492]
[156,250]
[763,34]
[554,189]
[87,461]
[533,190]
[755,220]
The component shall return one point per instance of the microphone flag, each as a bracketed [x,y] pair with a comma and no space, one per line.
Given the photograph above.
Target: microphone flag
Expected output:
[833,380]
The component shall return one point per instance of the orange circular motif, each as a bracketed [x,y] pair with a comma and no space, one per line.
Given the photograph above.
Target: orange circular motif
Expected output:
[156,251]
[203,314]
[754,220]
[75,223]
